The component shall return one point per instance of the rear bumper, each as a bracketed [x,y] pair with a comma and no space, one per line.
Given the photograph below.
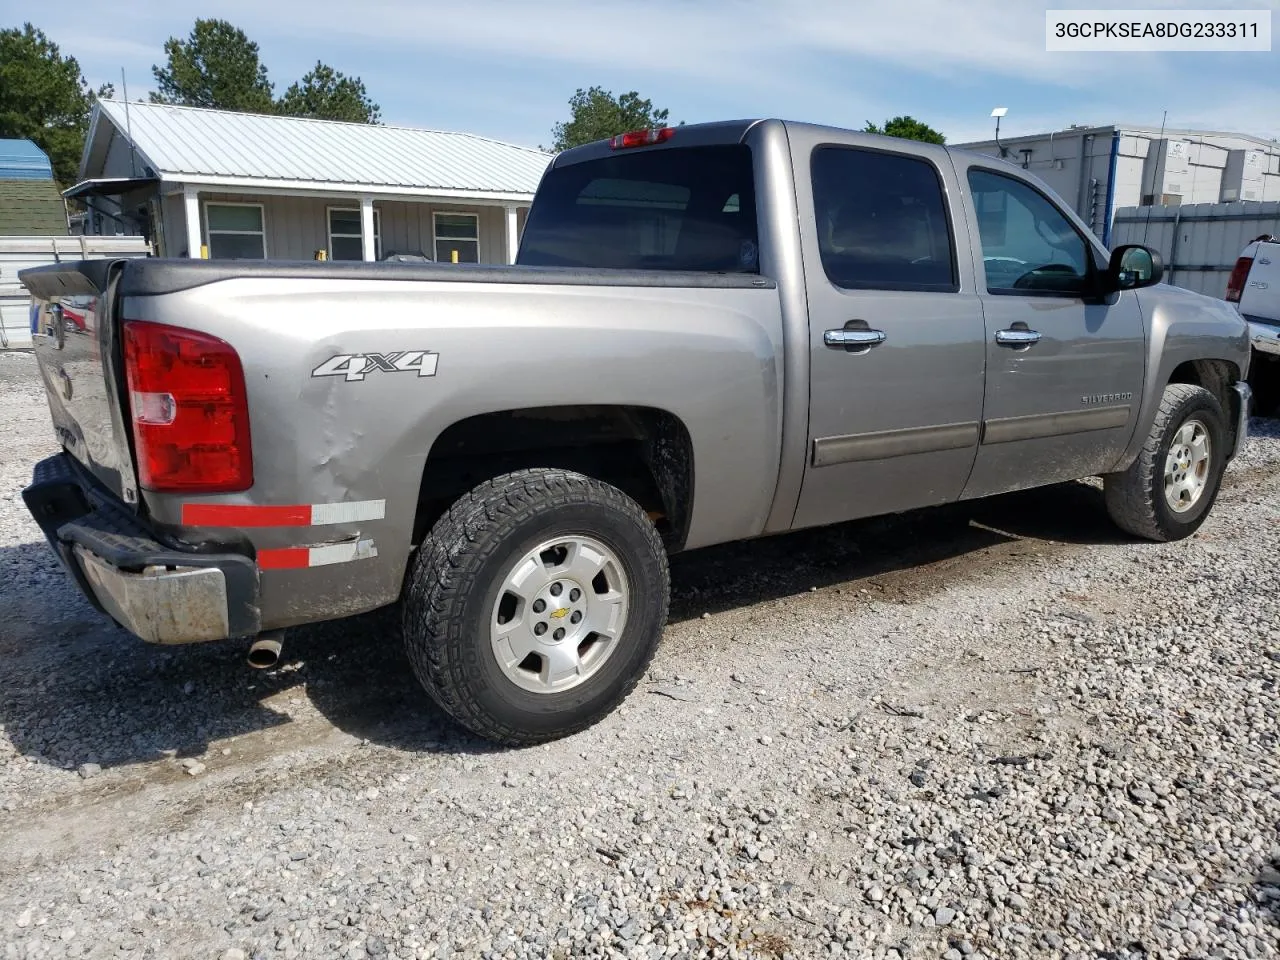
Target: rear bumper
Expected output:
[1265,337]
[161,591]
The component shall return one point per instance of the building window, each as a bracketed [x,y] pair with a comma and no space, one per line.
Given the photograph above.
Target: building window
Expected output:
[457,237]
[345,238]
[235,231]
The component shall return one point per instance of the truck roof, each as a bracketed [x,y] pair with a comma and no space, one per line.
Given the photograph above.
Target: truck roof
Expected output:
[734,131]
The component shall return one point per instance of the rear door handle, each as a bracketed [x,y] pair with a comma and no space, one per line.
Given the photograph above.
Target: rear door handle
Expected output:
[853,340]
[1017,338]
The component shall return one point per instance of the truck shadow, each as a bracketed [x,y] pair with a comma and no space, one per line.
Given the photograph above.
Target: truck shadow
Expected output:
[75,689]
[739,574]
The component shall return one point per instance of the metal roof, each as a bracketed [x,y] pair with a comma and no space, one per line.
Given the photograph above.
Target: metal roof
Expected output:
[192,144]
[23,160]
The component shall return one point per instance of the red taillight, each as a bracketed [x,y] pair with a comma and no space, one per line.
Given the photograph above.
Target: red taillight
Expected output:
[642,138]
[1235,284]
[189,409]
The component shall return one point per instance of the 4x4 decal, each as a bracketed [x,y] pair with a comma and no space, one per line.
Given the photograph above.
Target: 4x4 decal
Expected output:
[356,366]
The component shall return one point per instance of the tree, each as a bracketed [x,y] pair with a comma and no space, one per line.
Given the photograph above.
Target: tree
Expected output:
[44,98]
[217,66]
[596,114]
[908,128]
[328,94]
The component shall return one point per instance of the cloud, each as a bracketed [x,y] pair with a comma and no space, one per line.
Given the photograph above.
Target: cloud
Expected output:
[757,41]
[837,61]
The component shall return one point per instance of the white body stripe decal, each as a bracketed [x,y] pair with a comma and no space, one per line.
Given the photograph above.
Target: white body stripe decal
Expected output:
[352,512]
[342,552]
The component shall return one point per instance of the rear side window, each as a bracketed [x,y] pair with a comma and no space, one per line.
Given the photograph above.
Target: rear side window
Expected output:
[882,221]
[689,208]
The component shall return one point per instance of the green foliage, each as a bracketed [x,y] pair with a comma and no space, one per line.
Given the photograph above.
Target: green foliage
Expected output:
[216,66]
[44,98]
[596,114]
[908,128]
[327,94]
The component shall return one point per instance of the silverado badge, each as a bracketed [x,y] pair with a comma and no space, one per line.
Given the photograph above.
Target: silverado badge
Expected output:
[1107,397]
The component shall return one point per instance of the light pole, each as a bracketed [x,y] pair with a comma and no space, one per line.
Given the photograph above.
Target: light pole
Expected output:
[999,112]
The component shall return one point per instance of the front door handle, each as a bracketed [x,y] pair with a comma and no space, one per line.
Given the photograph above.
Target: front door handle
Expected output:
[853,340]
[1017,337]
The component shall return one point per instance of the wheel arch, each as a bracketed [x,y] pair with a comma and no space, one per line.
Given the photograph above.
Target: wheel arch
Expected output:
[1218,377]
[646,452]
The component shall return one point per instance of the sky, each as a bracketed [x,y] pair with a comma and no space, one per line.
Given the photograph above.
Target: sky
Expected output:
[506,69]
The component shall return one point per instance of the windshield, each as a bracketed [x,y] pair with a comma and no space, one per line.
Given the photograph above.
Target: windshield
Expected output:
[675,209]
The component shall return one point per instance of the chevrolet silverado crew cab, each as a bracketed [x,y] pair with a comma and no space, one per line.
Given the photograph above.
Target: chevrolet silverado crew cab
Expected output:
[1254,287]
[712,333]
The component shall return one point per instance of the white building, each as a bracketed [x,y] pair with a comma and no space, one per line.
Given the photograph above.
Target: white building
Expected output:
[1098,169]
[214,183]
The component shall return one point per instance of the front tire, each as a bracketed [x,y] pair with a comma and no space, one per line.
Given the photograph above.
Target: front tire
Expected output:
[535,605]
[1167,492]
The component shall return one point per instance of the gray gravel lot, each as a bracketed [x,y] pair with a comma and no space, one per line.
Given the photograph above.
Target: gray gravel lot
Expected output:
[992,730]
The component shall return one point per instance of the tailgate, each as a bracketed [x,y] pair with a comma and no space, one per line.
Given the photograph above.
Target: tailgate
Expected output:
[78,350]
[1260,297]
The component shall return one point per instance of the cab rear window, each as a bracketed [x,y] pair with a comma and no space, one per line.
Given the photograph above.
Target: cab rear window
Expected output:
[689,209]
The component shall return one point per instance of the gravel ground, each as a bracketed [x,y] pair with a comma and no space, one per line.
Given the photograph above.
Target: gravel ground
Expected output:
[992,730]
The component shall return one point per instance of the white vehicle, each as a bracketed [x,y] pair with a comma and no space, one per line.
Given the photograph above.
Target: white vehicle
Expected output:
[1254,288]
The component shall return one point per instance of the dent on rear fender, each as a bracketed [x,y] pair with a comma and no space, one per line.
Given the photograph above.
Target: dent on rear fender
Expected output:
[329,451]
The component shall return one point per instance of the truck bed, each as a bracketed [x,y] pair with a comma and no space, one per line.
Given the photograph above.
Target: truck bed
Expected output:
[154,277]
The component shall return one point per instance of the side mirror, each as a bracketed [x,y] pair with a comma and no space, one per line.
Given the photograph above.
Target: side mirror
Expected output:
[1133,266]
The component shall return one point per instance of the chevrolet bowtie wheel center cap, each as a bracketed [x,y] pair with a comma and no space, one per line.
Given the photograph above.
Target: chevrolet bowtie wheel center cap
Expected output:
[558,609]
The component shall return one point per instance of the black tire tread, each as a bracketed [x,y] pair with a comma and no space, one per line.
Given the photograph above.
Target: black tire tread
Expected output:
[1130,495]
[467,533]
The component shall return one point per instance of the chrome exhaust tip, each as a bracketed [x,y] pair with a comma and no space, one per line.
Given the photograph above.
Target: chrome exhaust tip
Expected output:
[264,652]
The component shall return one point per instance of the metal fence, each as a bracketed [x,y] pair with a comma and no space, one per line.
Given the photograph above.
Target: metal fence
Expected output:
[1200,242]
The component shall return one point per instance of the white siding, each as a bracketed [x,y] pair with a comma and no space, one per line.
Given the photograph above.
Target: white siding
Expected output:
[1193,165]
[297,226]
[173,226]
[1128,189]
[410,228]
[119,161]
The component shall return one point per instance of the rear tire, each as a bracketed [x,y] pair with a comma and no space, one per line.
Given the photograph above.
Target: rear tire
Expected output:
[1167,492]
[535,605]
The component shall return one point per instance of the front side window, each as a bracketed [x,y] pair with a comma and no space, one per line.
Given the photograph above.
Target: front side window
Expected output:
[1028,244]
[235,231]
[457,237]
[882,221]
[345,237]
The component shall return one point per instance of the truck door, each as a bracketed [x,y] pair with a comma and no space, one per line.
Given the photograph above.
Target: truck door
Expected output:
[895,327]
[1065,368]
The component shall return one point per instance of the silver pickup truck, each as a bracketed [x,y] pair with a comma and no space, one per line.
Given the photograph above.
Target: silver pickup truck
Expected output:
[712,333]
